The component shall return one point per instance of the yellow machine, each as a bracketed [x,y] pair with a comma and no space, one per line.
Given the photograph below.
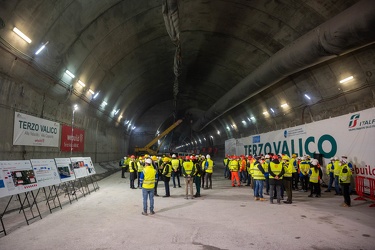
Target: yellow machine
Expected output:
[147,149]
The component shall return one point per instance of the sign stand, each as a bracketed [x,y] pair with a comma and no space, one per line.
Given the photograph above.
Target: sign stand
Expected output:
[52,197]
[2,215]
[30,205]
[71,192]
[94,183]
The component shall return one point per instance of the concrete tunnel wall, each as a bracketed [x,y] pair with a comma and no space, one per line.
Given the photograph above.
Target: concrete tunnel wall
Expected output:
[103,143]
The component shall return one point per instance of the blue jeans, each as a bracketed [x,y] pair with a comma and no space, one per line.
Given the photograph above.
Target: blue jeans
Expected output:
[146,192]
[331,179]
[176,175]
[258,189]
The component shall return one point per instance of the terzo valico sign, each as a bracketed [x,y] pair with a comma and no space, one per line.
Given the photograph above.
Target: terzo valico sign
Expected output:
[351,135]
[33,131]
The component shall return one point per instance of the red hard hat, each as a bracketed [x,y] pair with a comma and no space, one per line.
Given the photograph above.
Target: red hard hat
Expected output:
[133,157]
[187,157]
[275,157]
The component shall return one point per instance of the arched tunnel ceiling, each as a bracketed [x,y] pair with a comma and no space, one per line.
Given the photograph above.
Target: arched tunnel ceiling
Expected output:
[122,49]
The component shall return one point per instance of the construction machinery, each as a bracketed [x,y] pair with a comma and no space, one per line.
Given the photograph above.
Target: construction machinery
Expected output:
[147,149]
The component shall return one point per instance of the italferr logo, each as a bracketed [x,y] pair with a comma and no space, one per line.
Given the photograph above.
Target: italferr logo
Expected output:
[353,120]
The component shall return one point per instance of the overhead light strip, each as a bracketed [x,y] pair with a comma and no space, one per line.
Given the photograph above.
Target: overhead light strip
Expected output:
[22,35]
[346,79]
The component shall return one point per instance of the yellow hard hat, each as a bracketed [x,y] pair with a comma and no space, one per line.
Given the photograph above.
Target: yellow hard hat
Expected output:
[154,158]
[166,159]
[285,157]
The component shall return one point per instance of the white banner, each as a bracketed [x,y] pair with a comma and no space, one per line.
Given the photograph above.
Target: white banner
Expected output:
[17,177]
[33,131]
[45,172]
[351,135]
[65,169]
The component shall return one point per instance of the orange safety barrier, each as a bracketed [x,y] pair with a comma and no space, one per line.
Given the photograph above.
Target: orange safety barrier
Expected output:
[365,188]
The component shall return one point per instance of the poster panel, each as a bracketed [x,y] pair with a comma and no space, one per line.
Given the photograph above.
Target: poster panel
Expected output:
[45,172]
[90,166]
[33,131]
[75,143]
[78,164]
[351,135]
[65,169]
[18,177]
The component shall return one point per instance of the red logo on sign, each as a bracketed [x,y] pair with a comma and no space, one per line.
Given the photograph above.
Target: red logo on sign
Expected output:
[72,141]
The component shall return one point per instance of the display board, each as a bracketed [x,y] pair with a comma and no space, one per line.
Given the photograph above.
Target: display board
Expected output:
[65,169]
[90,166]
[78,164]
[72,139]
[18,177]
[45,172]
[33,131]
[351,135]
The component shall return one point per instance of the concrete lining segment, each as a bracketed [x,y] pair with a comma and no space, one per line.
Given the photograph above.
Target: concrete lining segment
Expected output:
[223,218]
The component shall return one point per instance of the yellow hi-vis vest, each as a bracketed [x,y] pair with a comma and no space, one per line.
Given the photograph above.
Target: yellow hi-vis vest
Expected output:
[257,174]
[188,168]
[149,177]
[167,170]
[304,167]
[276,169]
[175,164]
[233,166]
[132,167]
[314,177]
[330,168]
[288,168]
[210,166]
[345,174]
[337,167]
[292,162]
[140,166]
[265,166]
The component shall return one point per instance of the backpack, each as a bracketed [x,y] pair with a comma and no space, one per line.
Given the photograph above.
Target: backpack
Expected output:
[121,163]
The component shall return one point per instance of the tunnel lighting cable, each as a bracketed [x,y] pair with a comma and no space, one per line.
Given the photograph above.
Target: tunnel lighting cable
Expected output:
[22,35]
[346,79]
[41,48]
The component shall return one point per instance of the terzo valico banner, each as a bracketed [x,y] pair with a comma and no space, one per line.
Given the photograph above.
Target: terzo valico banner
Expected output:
[33,131]
[351,135]
[72,139]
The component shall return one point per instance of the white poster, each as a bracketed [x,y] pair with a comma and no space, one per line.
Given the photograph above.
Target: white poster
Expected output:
[351,135]
[18,177]
[65,169]
[45,172]
[78,164]
[33,131]
[90,167]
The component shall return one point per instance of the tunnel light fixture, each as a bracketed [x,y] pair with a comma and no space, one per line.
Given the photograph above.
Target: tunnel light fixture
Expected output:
[265,113]
[211,137]
[104,103]
[228,128]
[204,138]
[91,91]
[21,34]
[115,112]
[284,105]
[126,122]
[218,132]
[307,96]
[196,142]
[96,95]
[75,107]
[120,117]
[244,123]
[200,141]
[273,111]
[70,74]
[41,48]
[81,83]
[252,118]
[134,127]
[346,79]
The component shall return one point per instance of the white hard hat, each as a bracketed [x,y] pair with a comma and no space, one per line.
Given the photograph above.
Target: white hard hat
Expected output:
[148,161]
[208,156]
[173,156]
[267,156]
[344,161]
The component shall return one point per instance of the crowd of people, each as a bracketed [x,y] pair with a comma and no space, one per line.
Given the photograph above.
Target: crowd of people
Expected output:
[282,173]
[149,170]
[271,175]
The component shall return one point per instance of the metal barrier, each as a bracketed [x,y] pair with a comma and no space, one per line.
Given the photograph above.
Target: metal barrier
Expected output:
[365,188]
